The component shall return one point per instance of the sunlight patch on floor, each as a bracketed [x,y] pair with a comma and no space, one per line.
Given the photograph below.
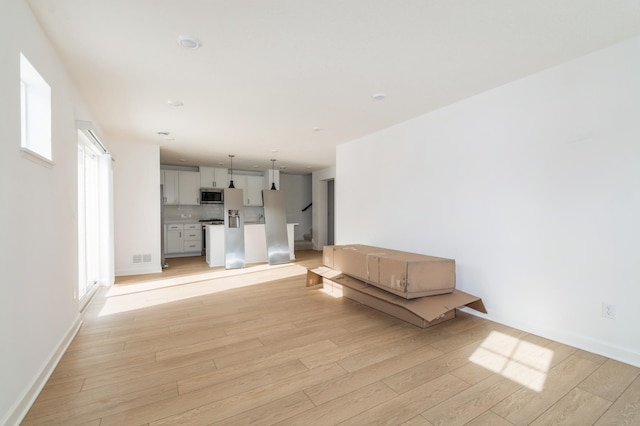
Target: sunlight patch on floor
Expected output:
[515,359]
[120,289]
[152,293]
[332,289]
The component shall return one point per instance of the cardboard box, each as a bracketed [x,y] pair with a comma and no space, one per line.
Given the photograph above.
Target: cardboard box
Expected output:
[423,312]
[408,275]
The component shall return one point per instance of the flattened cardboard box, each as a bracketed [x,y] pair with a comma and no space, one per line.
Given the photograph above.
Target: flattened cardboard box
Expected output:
[409,275]
[423,312]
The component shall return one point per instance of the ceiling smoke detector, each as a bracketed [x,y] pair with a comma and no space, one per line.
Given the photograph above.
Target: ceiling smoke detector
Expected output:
[189,42]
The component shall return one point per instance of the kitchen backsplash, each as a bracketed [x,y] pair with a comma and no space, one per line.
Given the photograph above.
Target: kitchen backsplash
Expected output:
[207,211]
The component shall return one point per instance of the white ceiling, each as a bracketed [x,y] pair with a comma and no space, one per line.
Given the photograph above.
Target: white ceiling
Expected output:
[270,71]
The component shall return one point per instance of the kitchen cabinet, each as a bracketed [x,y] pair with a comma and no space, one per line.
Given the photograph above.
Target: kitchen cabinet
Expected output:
[173,242]
[215,245]
[214,177]
[170,186]
[181,187]
[192,238]
[252,187]
[189,184]
[183,239]
[255,185]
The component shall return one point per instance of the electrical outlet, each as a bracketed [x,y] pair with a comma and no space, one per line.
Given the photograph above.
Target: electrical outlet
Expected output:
[608,310]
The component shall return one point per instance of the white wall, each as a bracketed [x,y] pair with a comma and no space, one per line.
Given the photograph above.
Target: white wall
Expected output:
[136,187]
[534,189]
[297,191]
[39,311]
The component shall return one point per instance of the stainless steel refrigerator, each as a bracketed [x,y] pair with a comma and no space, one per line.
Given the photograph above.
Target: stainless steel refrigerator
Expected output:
[275,226]
[234,228]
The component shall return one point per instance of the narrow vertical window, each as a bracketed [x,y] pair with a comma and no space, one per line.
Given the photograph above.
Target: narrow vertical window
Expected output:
[35,98]
[88,217]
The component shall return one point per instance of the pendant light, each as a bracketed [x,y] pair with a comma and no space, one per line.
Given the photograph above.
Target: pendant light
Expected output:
[231,181]
[273,174]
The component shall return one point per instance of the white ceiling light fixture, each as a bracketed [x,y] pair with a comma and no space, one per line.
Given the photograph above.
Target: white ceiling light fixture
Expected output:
[175,103]
[165,135]
[379,96]
[189,42]
[316,129]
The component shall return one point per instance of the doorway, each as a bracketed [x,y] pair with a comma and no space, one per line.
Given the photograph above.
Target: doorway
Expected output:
[330,212]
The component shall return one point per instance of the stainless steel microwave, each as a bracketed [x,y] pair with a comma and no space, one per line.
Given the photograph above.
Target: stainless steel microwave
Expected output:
[211,196]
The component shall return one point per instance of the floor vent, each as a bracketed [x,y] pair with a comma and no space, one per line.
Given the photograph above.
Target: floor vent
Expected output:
[141,258]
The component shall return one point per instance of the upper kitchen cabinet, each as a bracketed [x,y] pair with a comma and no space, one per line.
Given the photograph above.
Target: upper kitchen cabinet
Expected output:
[181,187]
[170,186]
[214,177]
[252,187]
[189,188]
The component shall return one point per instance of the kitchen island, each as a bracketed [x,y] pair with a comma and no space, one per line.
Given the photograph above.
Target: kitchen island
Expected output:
[255,243]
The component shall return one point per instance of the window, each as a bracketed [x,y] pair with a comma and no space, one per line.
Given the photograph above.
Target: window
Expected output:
[88,219]
[95,216]
[35,101]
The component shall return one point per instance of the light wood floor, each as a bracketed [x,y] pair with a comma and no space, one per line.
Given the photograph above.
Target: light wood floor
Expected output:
[258,347]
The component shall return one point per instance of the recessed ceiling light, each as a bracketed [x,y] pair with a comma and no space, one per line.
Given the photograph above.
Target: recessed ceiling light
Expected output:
[182,160]
[163,133]
[254,166]
[316,129]
[189,42]
[175,103]
[274,151]
[283,167]
[379,96]
[220,164]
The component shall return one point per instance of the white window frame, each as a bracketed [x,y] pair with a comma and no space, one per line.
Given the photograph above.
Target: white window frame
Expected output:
[35,103]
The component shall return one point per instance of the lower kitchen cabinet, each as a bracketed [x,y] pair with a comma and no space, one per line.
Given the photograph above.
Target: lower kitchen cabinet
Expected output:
[183,240]
[192,238]
[173,241]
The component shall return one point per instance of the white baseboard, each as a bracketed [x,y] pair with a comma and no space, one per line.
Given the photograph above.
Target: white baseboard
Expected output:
[606,349]
[138,271]
[26,400]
